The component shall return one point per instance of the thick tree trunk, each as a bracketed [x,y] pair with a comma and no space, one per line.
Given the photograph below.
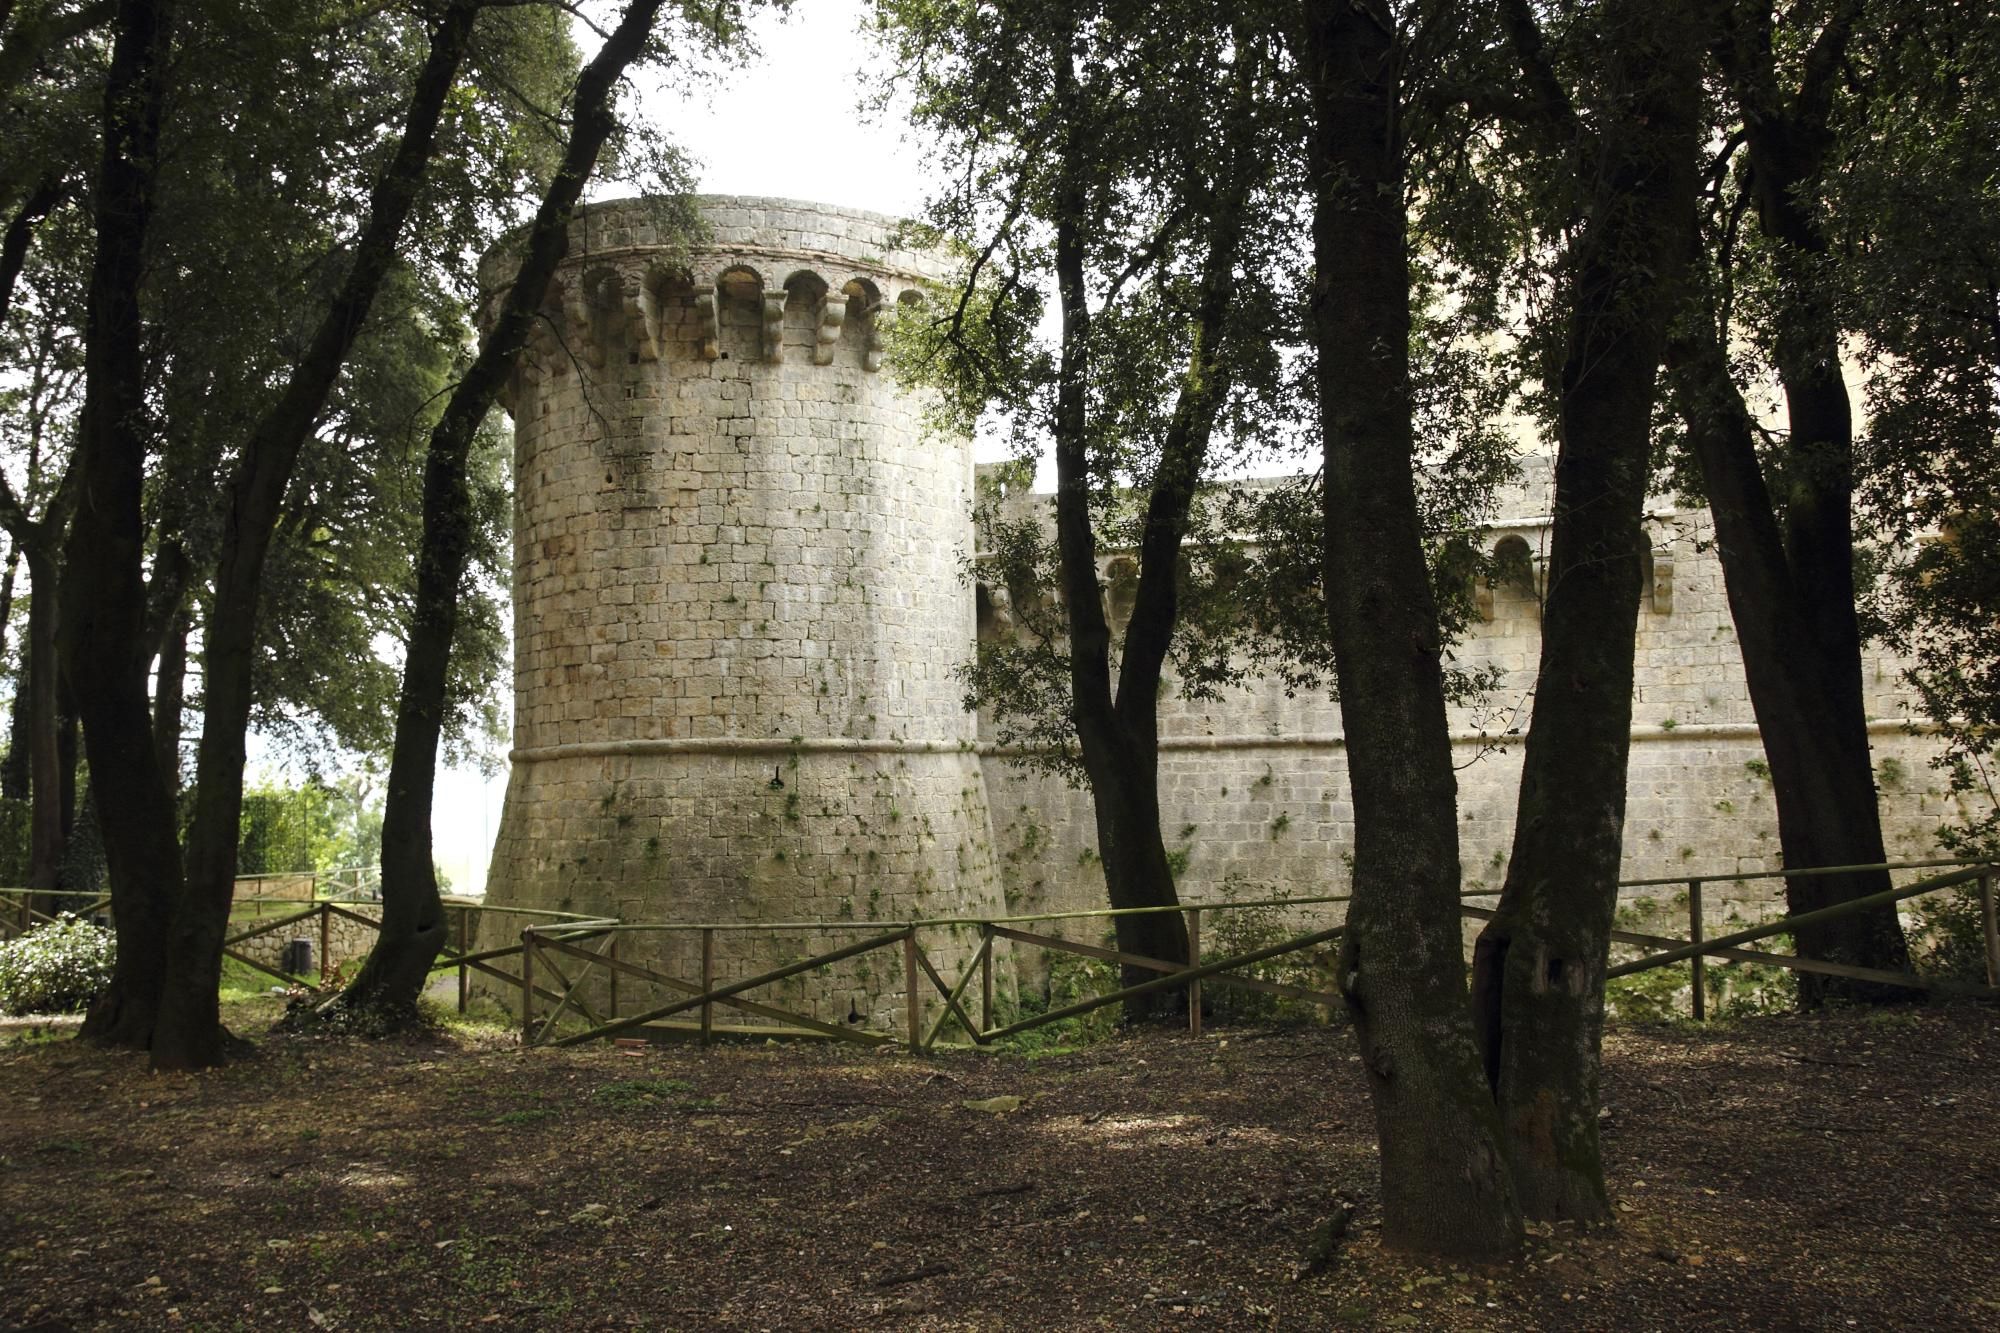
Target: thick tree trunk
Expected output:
[190,1034]
[413,925]
[1821,773]
[1826,799]
[1538,976]
[103,594]
[1445,1188]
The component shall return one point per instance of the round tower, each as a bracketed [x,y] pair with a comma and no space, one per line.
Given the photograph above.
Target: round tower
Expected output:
[738,601]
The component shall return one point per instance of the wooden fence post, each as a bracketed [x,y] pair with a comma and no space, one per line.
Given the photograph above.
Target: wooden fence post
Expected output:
[325,943]
[528,986]
[913,1002]
[1697,966]
[1992,923]
[985,976]
[1194,987]
[614,975]
[707,984]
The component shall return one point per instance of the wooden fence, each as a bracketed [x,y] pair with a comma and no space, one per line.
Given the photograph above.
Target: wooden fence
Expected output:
[569,954]
[560,952]
[22,911]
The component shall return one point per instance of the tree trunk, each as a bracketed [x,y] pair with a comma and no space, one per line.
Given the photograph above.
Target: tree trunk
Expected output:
[413,925]
[103,594]
[1815,724]
[190,1034]
[1122,769]
[47,826]
[1826,801]
[1538,974]
[21,232]
[1445,1188]
[170,699]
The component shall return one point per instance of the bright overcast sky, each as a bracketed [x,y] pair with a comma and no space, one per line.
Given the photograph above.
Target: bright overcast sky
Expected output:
[785,125]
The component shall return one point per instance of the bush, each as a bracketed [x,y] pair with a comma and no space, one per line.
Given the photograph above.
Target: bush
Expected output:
[1950,938]
[56,969]
[1241,930]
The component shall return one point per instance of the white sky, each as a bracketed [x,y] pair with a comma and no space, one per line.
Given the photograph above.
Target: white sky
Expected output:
[786,125]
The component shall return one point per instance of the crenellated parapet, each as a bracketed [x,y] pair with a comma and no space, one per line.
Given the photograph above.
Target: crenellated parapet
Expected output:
[774,280]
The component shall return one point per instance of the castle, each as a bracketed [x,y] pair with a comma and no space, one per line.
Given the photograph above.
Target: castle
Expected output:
[739,603]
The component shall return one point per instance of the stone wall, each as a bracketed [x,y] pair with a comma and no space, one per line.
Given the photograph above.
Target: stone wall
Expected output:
[736,600]
[739,606]
[1254,787]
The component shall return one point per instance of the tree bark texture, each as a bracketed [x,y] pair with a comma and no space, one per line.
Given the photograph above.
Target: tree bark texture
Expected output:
[1120,760]
[1826,800]
[170,699]
[1538,977]
[190,1032]
[1807,694]
[47,826]
[1445,1188]
[413,922]
[103,594]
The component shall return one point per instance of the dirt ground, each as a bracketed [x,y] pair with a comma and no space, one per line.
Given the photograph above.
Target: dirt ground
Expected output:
[1826,1173]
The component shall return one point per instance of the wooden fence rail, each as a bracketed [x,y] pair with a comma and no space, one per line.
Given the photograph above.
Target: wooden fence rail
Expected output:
[922,980]
[561,952]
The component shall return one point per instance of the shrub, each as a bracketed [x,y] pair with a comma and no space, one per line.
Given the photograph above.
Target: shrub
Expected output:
[1241,930]
[1950,938]
[56,969]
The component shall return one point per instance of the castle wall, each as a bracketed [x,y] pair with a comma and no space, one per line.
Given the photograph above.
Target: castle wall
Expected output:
[736,602]
[1254,787]
[740,603]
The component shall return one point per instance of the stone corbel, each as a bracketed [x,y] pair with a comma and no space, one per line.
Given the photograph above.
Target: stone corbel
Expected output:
[832,315]
[642,315]
[707,314]
[774,325]
[871,349]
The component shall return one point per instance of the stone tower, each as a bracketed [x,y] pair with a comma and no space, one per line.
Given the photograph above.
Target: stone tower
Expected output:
[738,600]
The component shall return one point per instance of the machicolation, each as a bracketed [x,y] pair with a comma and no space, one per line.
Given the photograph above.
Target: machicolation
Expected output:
[739,601]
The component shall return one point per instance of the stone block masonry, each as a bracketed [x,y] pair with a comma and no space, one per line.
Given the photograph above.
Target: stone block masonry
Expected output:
[737,606]
[1254,786]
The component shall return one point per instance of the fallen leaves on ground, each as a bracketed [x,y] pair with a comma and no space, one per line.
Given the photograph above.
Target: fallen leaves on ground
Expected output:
[1832,1172]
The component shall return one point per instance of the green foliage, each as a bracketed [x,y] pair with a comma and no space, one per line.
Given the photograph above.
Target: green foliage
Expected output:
[1950,936]
[643,1094]
[1240,930]
[1067,978]
[315,826]
[55,969]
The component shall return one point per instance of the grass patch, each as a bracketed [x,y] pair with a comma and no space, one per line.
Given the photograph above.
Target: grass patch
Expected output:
[634,1094]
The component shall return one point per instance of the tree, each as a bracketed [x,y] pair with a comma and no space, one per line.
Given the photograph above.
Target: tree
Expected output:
[255,414]
[1916,180]
[385,992]
[1445,1187]
[103,595]
[1611,124]
[1132,179]
[1784,517]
